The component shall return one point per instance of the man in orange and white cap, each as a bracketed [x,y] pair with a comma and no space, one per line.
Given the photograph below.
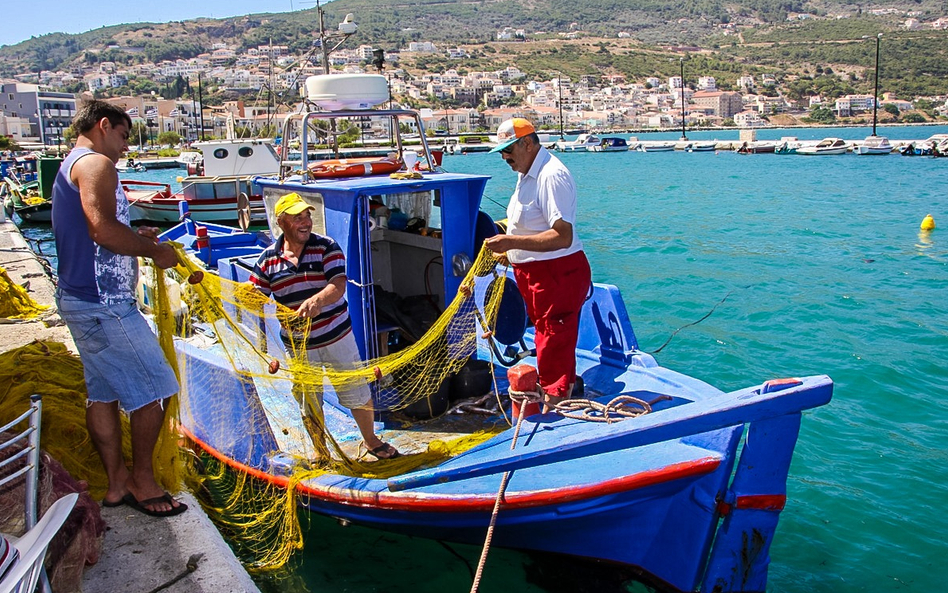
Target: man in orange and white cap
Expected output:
[307,273]
[541,243]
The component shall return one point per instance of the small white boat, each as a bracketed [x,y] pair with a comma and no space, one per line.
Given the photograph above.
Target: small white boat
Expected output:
[657,146]
[875,145]
[709,146]
[191,160]
[825,146]
[611,144]
[582,143]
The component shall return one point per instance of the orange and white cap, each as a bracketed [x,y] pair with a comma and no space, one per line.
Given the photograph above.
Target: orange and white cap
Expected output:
[512,130]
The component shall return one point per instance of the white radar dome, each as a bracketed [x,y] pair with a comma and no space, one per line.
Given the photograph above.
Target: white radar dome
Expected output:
[347,91]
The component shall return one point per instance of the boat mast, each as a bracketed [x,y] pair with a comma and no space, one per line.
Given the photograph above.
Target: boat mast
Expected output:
[875,94]
[681,61]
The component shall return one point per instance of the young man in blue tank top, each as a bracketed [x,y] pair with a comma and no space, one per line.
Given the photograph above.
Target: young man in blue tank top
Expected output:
[98,270]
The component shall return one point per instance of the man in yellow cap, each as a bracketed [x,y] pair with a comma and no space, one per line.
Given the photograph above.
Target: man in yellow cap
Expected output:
[541,243]
[307,273]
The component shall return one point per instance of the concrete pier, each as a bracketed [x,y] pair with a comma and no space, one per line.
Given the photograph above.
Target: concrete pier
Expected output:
[139,553]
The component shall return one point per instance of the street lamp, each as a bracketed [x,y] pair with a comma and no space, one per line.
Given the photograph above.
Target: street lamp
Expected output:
[681,62]
[559,93]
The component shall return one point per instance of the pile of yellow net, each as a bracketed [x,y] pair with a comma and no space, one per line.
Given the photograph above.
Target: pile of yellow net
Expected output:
[237,323]
[49,369]
[15,302]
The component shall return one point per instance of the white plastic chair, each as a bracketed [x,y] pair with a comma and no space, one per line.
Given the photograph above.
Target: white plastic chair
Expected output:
[25,574]
[30,437]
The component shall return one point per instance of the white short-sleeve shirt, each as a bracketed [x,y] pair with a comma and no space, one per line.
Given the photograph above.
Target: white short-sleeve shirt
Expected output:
[545,194]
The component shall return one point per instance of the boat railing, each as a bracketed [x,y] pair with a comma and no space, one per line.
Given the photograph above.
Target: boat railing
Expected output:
[304,122]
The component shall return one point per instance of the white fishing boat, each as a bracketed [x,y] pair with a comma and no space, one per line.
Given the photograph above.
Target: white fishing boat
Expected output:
[875,145]
[229,167]
[582,143]
[657,146]
[611,144]
[825,146]
[709,146]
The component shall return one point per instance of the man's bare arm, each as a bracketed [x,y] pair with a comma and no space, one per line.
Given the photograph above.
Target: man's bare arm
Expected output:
[95,176]
[559,237]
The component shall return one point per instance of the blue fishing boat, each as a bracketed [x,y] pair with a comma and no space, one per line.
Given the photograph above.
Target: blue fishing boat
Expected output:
[688,489]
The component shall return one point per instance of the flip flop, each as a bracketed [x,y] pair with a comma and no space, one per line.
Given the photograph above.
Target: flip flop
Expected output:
[384,451]
[112,505]
[142,505]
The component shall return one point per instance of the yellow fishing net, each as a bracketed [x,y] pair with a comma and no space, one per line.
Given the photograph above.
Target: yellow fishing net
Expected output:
[15,302]
[253,406]
[49,369]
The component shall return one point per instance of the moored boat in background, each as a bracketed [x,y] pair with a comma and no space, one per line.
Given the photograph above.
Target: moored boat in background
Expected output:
[657,146]
[582,143]
[875,145]
[611,144]
[826,146]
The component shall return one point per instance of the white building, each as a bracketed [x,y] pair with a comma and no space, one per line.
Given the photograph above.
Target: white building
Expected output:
[707,83]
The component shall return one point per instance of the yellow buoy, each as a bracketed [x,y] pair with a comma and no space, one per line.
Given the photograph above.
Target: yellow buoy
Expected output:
[928,223]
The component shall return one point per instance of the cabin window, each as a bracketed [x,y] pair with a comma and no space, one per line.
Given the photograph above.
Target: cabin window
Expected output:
[220,153]
[245,151]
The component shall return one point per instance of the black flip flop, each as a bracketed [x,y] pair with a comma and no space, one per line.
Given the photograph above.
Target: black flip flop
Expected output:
[112,505]
[390,452]
[141,506]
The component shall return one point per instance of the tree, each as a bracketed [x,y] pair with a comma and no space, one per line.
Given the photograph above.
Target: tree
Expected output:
[138,134]
[913,118]
[7,143]
[170,138]
[821,115]
[891,108]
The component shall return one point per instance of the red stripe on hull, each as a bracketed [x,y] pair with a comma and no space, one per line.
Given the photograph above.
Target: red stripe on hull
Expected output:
[424,502]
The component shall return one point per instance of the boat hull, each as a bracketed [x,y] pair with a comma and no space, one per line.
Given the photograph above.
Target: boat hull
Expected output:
[167,210]
[820,152]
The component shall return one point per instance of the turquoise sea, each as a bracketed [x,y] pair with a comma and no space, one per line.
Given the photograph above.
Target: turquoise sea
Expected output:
[825,270]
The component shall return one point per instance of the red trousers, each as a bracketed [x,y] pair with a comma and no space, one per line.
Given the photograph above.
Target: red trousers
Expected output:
[554,292]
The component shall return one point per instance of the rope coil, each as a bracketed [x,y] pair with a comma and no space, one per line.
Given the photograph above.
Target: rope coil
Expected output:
[618,409]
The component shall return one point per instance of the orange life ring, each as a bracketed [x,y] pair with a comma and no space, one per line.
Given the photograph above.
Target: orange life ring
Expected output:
[355,167]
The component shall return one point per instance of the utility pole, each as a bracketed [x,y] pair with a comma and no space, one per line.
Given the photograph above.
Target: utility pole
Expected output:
[201,102]
[681,61]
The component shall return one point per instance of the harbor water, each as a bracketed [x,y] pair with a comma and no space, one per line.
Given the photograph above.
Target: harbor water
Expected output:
[811,265]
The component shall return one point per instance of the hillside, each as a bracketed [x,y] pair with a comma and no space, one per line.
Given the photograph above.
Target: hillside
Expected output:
[735,39]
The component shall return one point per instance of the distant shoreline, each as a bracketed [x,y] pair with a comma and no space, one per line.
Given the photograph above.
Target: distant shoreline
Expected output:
[739,129]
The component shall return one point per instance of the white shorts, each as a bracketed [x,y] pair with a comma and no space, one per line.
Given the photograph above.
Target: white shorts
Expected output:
[343,355]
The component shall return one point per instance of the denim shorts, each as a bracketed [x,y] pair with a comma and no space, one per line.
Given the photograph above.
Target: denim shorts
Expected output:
[120,354]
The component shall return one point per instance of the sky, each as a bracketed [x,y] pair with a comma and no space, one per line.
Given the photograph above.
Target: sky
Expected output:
[23,19]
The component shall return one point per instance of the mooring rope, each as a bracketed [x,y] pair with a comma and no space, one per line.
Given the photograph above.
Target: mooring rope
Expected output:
[522,398]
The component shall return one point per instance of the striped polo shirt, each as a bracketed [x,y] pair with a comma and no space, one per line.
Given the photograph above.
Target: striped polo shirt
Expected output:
[322,260]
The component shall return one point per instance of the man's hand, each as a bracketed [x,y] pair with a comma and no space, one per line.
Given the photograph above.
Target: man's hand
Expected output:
[499,243]
[164,256]
[149,232]
[310,307]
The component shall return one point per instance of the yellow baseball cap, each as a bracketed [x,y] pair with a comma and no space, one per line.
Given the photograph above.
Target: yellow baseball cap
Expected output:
[291,204]
[512,130]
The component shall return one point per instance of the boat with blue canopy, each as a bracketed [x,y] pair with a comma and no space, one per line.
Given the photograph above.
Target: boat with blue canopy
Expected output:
[647,467]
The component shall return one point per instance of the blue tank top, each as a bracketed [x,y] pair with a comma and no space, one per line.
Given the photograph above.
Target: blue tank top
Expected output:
[88,271]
